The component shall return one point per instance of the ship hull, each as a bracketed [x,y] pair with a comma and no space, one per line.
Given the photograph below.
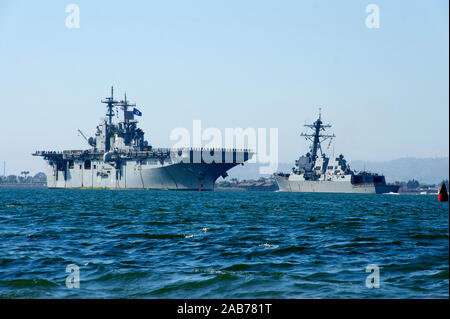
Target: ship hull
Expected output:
[134,175]
[286,185]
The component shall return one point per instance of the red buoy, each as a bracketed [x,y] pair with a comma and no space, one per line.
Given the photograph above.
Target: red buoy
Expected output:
[201,187]
[443,195]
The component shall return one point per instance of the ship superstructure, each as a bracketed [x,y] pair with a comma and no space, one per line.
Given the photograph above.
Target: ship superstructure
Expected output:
[316,172]
[120,158]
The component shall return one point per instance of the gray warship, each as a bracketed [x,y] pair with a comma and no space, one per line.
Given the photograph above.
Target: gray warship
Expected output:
[314,173]
[120,158]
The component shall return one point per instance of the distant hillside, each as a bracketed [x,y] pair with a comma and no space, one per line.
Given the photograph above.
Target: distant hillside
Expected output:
[425,170]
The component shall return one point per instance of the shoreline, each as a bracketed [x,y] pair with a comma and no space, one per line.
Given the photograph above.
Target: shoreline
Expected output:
[23,186]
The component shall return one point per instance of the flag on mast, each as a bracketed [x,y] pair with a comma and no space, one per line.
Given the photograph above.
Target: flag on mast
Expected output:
[137,112]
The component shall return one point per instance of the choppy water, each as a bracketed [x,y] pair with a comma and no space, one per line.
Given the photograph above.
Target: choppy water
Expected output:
[141,244]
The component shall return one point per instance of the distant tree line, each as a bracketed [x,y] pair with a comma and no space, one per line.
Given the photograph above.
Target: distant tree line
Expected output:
[24,178]
[414,184]
[234,181]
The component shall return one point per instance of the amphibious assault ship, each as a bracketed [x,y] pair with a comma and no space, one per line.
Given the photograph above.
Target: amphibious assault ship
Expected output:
[120,158]
[314,173]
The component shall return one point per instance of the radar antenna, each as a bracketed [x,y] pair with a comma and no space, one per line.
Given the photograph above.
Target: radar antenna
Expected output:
[316,137]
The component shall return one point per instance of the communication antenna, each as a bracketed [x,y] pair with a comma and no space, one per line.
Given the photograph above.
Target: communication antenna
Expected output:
[125,105]
[334,143]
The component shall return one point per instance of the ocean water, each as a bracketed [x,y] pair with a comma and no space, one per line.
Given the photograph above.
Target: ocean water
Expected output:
[160,244]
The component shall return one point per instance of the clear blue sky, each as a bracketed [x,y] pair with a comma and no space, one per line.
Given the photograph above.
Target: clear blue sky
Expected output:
[229,64]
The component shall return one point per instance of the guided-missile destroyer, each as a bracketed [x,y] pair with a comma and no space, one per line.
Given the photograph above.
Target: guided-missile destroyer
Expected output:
[314,173]
[120,158]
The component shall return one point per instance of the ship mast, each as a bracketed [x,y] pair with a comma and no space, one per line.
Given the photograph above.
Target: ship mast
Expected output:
[125,105]
[316,137]
[110,104]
